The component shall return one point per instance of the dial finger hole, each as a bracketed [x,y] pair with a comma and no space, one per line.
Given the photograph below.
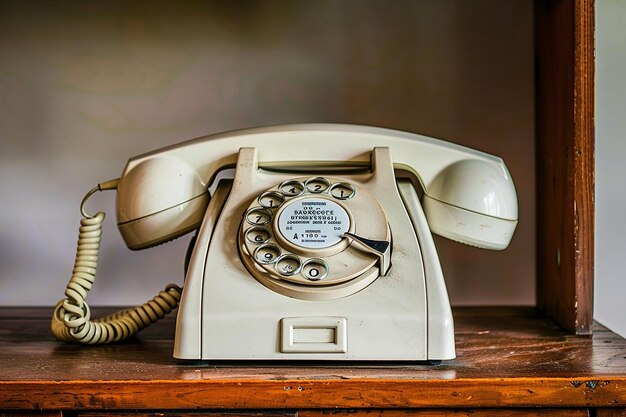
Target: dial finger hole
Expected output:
[267,254]
[271,199]
[315,269]
[291,188]
[288,265]
[317,185]
[258,216]
[258,234]
[342,190]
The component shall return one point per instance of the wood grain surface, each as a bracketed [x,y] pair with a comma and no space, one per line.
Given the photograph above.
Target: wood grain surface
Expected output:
[564,45]
[506,357]
[491,412]
[611,412]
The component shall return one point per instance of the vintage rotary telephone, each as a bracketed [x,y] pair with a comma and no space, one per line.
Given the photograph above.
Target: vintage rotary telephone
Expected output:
[319,248]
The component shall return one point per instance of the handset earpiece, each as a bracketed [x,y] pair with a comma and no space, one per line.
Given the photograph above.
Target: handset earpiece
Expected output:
[159,199]
[472,202]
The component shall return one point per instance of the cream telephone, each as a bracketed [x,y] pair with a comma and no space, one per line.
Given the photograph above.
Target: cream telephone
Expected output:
[318,249]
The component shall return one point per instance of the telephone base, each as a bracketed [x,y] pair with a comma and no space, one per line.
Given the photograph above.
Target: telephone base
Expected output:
[250,297]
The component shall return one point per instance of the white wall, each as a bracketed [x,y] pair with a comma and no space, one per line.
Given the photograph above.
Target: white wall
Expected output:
[610,276]
[85,85]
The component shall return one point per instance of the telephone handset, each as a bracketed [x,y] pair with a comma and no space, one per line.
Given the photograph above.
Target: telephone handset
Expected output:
[319,248]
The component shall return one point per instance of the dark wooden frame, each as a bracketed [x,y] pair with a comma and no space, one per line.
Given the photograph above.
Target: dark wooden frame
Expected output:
[564,59]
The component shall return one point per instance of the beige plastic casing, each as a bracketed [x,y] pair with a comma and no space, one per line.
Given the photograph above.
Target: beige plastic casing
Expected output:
[477,184]
[225,313]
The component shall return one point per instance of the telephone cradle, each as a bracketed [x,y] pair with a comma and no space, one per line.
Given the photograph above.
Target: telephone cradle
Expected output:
[319,248]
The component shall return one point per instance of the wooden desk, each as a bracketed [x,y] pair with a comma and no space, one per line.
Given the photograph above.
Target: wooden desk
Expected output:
[509,363]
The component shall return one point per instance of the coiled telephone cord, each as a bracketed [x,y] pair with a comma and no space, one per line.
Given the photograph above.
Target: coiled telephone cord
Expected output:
[71,321]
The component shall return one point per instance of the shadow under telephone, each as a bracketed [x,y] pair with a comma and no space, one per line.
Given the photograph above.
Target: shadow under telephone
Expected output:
[318,249]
